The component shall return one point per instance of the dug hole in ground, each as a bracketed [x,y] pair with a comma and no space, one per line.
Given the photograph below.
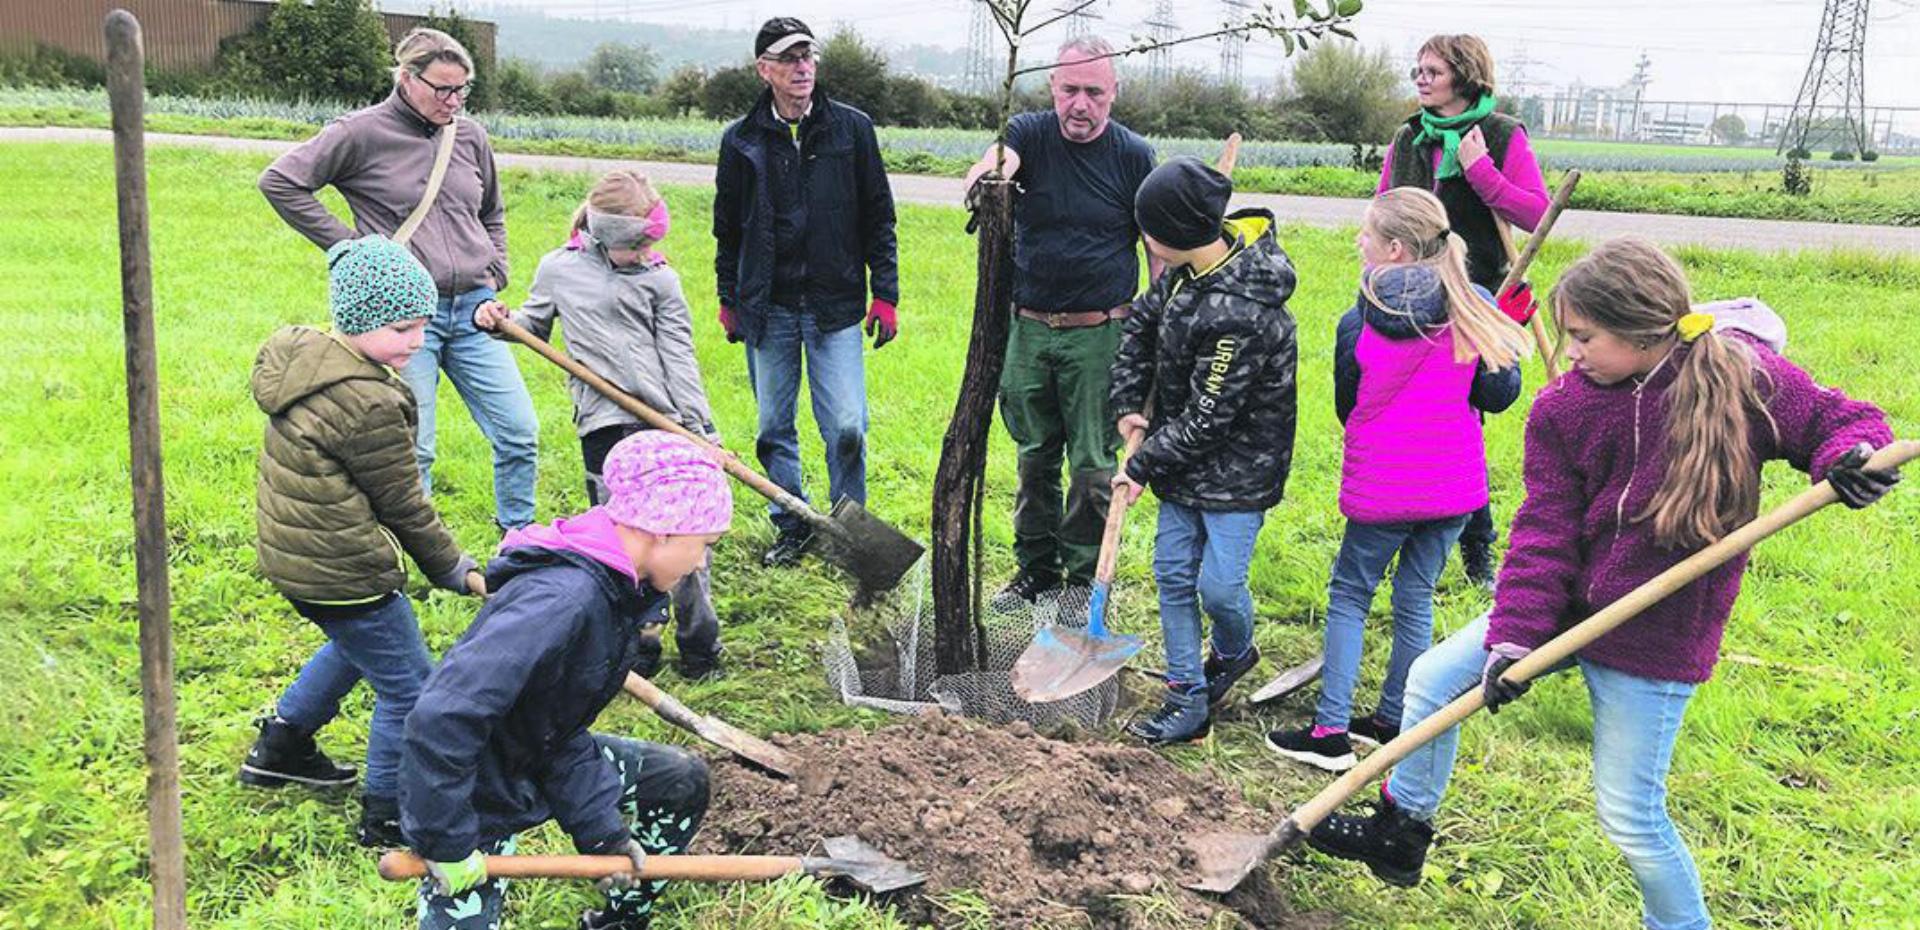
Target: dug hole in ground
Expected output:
[1039,809]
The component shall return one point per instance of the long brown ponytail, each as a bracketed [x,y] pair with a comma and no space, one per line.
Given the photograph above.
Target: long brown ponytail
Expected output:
[1417,220]
[1631,289]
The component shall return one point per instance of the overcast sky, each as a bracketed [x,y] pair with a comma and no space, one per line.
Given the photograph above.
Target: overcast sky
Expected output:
[1748,51]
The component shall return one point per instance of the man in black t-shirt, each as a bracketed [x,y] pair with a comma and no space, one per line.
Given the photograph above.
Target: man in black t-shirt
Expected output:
[1076,261]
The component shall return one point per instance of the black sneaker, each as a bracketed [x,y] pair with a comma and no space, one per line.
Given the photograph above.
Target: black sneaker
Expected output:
[1026,587]
[1392,843]
[787,548]
[1182,719]
[613,920]
[647,663]
[1371,730]
[379,823]
[284,755]
[1333,752]
[698,667]
[1477,559]
[1222,674]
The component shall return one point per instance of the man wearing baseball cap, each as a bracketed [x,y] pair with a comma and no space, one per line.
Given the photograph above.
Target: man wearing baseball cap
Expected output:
[498,741]
[803,222]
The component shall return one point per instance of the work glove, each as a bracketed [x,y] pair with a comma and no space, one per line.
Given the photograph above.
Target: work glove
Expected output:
[1493,688]
[882,322]
[730,323]
[1518,304]
[1857,484]
[623,881]
[458,878]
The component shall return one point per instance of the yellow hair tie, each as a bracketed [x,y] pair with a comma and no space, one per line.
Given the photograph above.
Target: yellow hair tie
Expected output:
[1694,325]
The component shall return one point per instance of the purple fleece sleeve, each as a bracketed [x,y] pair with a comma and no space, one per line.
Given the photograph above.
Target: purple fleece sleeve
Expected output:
[1816,424]
[1516,191]
[1543,557]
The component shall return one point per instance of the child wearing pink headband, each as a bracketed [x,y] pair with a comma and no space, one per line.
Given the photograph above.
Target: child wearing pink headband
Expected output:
[627,319]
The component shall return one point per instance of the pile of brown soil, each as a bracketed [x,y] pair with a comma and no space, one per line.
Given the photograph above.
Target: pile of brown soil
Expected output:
[1047,832]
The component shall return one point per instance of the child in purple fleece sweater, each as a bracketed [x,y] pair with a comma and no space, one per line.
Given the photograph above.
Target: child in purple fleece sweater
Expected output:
[1643,454]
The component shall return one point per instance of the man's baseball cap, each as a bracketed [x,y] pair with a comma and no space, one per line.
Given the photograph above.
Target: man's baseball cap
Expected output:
[779,34]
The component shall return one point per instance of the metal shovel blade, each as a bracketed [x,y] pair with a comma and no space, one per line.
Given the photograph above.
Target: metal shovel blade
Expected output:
[1224,860]
[870,549]
[1061,663]
[857,861]
[1289,681]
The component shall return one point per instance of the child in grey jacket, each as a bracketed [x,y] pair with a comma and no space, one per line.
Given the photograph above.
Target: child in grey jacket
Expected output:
[627,320]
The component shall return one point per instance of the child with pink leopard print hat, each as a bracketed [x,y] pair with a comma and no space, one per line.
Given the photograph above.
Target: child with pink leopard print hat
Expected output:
[498,742]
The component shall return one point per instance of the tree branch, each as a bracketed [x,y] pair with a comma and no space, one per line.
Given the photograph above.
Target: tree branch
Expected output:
[1064,14]
[1315,29]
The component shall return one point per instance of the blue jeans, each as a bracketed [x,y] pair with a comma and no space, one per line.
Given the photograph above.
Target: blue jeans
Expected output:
[837,385]
[482,369]
[1635,721]
[380,643]
[1365,551]
[1200,560]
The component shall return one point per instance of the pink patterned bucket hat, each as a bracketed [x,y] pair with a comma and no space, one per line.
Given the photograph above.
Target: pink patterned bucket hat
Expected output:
[663,483]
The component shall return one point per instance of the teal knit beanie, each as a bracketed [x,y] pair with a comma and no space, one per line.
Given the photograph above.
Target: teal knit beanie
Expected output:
[373,281]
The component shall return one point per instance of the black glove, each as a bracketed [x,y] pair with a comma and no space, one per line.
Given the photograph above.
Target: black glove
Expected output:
[1856,484]
[1497,690]
[973,203]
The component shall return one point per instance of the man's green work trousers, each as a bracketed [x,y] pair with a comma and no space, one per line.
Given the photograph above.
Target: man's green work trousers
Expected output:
[1053,395]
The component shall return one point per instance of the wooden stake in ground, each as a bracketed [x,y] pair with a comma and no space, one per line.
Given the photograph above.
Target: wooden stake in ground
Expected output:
[126,93]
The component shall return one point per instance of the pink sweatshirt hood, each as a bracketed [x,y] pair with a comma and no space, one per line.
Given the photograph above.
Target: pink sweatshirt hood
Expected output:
[592,534]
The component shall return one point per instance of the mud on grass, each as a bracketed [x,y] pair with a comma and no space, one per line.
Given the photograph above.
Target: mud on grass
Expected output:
[1044,831]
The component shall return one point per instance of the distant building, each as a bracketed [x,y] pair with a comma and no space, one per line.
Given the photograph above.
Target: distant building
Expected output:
[180,35]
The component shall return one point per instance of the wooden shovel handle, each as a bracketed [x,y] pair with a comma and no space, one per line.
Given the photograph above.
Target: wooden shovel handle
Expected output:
[1573,640]
[666,705]
[400,865]
[1518,272]
[658,420]
[1116,520]
[1229,156]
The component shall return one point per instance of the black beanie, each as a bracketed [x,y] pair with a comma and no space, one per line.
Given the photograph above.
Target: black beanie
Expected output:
[1183,203]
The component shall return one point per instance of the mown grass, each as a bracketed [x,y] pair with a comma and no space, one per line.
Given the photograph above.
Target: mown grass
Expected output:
[1624,177]
[1794,778]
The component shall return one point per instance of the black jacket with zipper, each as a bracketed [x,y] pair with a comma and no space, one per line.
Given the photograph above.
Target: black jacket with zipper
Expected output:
[831,184]
[1217,350]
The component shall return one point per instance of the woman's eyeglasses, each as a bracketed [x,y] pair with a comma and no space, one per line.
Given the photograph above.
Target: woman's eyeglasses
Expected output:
[447,93]
[1431,74]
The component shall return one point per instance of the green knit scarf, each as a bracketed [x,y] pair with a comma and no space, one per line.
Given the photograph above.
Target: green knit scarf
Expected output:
[1447,130]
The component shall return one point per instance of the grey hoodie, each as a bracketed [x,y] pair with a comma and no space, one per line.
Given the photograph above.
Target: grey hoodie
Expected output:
[631,326]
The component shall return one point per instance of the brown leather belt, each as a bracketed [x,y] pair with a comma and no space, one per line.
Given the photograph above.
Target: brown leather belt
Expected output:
[1075,319]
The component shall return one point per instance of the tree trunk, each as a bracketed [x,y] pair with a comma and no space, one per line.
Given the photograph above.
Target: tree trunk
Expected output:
[963,454]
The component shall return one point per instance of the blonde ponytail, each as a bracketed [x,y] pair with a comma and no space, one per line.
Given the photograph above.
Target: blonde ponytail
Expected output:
[1417,220]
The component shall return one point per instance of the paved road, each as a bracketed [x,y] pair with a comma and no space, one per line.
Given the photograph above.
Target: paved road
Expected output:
[1668,229]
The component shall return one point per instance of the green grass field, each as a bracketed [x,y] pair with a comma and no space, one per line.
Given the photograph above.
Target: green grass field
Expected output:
[1794,780]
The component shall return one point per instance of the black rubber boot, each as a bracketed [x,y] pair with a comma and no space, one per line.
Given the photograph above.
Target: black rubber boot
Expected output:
[1391,842]
[379,823]
[284,755]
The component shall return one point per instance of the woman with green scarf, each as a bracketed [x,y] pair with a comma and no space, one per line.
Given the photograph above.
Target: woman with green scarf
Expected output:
[1478,162]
